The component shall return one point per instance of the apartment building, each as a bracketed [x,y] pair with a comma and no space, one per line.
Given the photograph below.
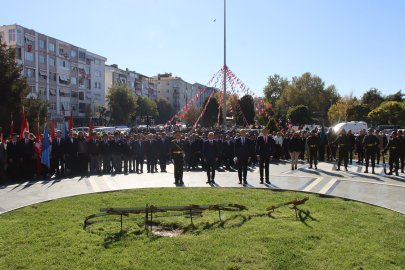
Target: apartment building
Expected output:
[141,85]
[68,76]
[177,91]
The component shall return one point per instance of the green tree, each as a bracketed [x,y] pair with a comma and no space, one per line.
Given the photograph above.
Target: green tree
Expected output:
[395,97]
[274,88]
[210,117]
[390,113]
[271,126]
[338,111]
[190,117]
[373,98]
[358,112]
[165,110]
[146,106]
[14,94]
[122,103]
[300,115]
[247,106]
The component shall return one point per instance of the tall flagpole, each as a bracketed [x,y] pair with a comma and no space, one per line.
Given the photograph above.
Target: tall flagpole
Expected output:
[224,97]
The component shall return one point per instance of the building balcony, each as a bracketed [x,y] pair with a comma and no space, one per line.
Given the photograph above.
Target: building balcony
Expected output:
[64,55]
[176,94]
[176,85]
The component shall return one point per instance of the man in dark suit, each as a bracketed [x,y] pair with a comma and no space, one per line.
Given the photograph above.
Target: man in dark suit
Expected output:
[27,154]
[72,152]
[128,153]
[201,149]
[13,156]
[93,150]
[243,153]
[219,142]
[3,160]
[227,150]
[105,153]
[58,153]
[116,151]
[139,148]
[191,152]
[164,151]
[264,152]
[151,153]
[210,155]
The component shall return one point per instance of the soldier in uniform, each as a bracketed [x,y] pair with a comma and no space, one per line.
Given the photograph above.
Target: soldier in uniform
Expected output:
[177,156]
[313,143]
[352,144]
[401,150]
[369,143]
[394,145]
[359,147]
[343,142]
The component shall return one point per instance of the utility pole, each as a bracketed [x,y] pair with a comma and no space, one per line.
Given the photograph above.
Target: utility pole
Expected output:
[225,68]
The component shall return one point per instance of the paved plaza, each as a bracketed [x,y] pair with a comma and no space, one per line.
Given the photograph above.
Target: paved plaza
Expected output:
[377,189]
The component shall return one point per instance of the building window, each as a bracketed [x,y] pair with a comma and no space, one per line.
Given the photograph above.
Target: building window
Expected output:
[81,96]
[19,36]
[51,47]
[53,106]
[29,56]
[64,93]
[52,92]
[1,36]
[41,43]
[167,90]
[42,75]
[30,73]
[73,80]
[64,106]
[167,83]
[97,85]
[159,92]
[96,61]
[11,35]
[52,76]
[42,91]
[82,56]
[51,62]
[32,89]
[168,98]
[74,94]
[28,40]
[19,55]
[97,73]
[63,63]
[74,68]
[41,59]
[73,53]
[63,79]
[87,68]
[74,107]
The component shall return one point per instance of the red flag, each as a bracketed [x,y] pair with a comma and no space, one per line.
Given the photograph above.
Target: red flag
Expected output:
[276,124]
[52,129]
[23,123]
[177,122]
[282,129]
[183,115]
[91,130]
[71,119]
[166,125]
[29,48]
[171,120]
[12,125]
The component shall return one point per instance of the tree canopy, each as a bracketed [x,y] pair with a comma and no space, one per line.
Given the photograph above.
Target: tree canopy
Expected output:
[210,116]
[165,110]
[271,125]
[247,106]
[146,106]
[358,112]
[190,117]
[300,115]
[391,112]
[338,111]
[373,98]
[122,103]
[274,88]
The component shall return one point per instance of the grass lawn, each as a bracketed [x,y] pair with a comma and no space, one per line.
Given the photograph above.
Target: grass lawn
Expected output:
[330,234]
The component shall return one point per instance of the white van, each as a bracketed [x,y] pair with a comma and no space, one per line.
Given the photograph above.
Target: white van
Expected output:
[354,126]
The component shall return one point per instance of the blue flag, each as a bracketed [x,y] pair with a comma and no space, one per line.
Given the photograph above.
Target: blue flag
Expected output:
[46,157]
[64,130]
[323,134]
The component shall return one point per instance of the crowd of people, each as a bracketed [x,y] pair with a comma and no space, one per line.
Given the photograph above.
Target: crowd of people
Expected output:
[118,152]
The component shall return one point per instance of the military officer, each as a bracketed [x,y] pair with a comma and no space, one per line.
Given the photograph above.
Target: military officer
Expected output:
[177,156]
[394,145]
[343,142]
[369,143]
[313,143]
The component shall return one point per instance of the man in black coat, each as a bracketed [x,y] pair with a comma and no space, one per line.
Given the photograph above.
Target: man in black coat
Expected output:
[27,154]
[139,148]
[128,153]
[93,150]
[58,153]
[105,153]
[3,160]
[210,156]
[116,151]
[72,152]
[164,151]
[191,152]
[201,149]
[151,153]
[264,151]
[13,157]
[227,150]
[243,154]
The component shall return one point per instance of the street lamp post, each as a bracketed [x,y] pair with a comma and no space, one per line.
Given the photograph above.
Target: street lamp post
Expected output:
[224,98]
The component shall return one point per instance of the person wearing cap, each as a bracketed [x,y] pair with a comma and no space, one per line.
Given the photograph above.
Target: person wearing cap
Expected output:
[369,143]
[177,156]
[264,148]
[401,150]
[359,147]
[313,145]
[343,143]
[58,153]
[394,146]
[93,150]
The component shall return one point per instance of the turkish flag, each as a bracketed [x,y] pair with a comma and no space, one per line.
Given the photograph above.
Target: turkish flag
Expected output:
[29,48]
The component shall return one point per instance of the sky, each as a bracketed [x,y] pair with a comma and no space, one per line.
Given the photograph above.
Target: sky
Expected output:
[355,45]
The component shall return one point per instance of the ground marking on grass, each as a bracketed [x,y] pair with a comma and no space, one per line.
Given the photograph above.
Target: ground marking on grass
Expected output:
[94,185]
[109,184]
[328,186]
[313,184]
